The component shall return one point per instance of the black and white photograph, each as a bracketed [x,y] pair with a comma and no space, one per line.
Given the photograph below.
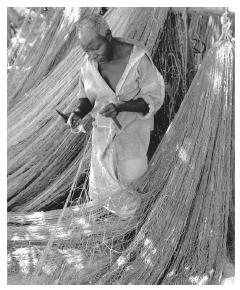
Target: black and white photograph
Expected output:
[120,125]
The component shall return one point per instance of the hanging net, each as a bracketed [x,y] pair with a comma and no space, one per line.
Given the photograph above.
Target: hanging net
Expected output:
[179,233]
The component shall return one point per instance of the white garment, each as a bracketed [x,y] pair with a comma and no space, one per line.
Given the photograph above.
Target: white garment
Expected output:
[119,156]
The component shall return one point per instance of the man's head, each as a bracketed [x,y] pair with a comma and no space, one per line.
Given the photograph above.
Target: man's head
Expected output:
[95,37]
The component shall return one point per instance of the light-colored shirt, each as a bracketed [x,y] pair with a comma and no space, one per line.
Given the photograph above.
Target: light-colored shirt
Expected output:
[140,79]
[119,157]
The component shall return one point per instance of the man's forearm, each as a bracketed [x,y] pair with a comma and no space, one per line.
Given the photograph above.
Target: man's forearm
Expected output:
[83,108]
[139,106]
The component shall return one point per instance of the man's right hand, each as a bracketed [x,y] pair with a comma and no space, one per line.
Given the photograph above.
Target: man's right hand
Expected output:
[74,120]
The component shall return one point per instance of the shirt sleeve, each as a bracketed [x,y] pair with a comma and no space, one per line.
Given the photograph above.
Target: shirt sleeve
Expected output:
[151,83]
[81,92]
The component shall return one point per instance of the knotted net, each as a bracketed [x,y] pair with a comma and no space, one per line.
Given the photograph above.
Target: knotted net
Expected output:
[179,233]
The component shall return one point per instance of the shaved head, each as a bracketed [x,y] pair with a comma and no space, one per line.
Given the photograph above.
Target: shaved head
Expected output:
[94,22]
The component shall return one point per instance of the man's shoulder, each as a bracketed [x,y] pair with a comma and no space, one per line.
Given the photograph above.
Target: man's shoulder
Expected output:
[141,51]
[133,43]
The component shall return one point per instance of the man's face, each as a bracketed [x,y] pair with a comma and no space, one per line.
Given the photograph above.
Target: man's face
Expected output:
[96,46]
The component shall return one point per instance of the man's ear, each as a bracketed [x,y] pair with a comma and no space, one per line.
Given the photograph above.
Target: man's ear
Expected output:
[108,35]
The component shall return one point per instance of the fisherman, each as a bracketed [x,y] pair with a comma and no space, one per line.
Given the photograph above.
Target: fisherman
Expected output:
[118,84]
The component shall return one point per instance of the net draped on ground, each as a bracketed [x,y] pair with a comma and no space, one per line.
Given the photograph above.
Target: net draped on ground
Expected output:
[179,233]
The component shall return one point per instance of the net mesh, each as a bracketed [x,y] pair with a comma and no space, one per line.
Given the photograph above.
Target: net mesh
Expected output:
[178,235]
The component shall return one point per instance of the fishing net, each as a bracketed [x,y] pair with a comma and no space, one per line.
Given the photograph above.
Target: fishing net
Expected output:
[179,233]
[43,46]
[41,150]
[183,43]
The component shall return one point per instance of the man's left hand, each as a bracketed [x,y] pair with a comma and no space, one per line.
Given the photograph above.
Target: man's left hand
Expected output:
[110,110]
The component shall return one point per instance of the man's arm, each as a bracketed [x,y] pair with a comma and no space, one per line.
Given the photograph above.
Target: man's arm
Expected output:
[111,110]
[83,108]
[139,106]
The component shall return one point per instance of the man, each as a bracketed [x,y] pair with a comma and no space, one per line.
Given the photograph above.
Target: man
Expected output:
[117,81]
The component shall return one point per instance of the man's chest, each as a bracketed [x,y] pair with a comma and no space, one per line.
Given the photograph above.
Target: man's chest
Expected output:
[113,72]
